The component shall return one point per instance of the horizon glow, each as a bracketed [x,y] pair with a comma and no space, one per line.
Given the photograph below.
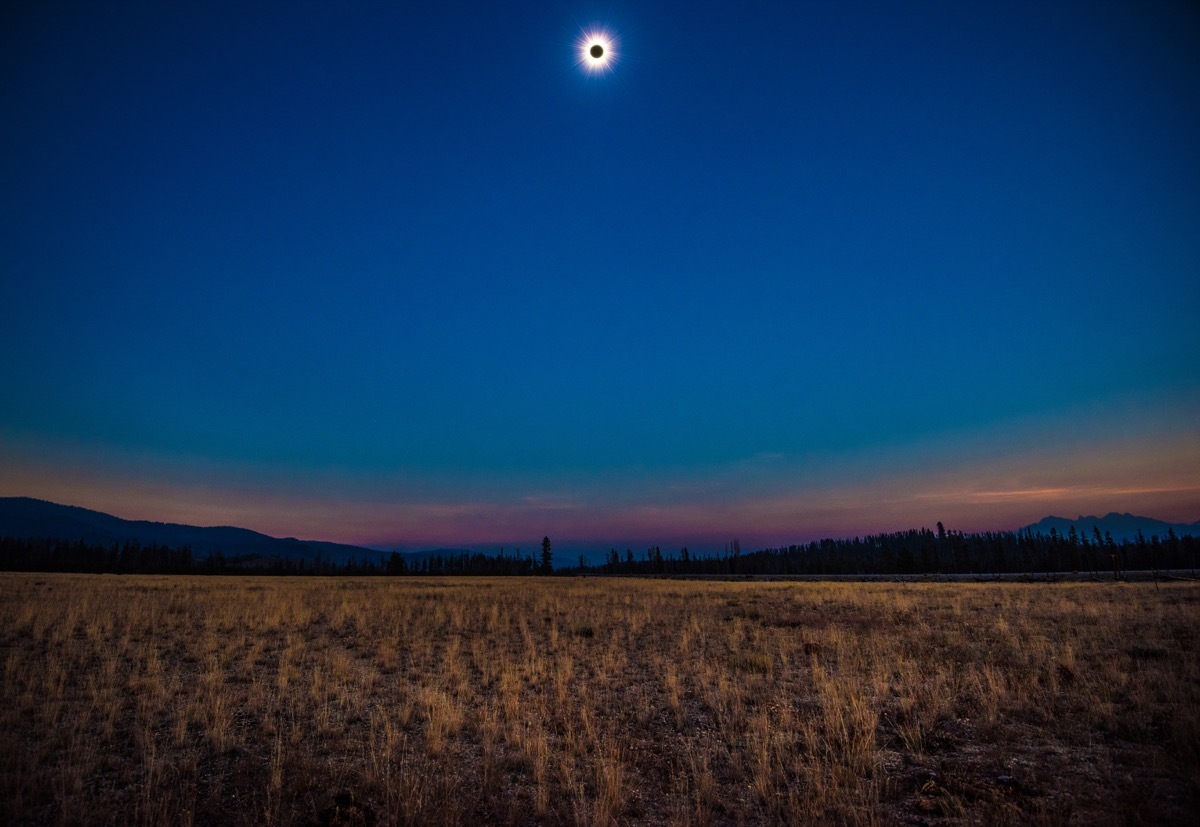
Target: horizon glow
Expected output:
[1061,466]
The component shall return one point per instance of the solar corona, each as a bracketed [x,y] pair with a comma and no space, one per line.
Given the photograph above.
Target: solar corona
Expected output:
[597,51]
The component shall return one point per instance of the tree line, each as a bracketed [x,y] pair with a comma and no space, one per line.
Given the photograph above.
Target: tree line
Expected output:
[134,557]
[908,552]
[926,552]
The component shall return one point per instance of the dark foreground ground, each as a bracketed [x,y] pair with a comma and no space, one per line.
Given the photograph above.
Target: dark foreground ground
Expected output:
[1138,576]
[177,700]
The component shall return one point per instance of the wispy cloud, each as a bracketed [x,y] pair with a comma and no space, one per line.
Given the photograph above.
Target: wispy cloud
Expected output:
[1046,494]
[551,502]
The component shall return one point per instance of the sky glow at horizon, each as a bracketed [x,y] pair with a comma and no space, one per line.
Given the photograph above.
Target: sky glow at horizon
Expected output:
[863,267]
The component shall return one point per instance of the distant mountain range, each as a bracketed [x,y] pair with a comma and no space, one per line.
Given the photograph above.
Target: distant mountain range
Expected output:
[25,517]
[1121,526]
[29,518]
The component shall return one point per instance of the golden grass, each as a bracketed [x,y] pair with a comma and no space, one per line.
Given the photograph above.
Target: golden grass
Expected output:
[176,700]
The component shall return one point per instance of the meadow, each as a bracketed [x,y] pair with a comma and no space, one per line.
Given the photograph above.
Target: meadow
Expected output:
[243,700]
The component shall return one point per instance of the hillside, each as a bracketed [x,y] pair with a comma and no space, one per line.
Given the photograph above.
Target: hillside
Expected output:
[26,518]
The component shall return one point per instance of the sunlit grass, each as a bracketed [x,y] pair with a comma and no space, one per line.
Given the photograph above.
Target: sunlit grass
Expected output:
[164,700]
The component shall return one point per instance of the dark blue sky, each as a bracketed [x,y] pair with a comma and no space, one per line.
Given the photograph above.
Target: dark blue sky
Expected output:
[405,267]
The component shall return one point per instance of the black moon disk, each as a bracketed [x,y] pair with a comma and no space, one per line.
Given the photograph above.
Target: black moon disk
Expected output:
[596,51]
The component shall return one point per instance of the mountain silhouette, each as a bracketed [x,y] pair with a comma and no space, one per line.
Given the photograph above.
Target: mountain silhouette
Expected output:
[27,518]
[1121,526]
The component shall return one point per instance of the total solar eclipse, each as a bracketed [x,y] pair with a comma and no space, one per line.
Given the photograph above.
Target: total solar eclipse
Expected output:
[597,50]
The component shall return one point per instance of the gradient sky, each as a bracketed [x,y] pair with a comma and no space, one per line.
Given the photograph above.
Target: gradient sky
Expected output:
[400,273]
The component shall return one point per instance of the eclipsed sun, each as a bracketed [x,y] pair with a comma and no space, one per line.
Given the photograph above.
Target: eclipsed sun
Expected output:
[597,50]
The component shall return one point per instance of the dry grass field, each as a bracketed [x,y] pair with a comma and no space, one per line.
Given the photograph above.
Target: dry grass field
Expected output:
[176,700]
